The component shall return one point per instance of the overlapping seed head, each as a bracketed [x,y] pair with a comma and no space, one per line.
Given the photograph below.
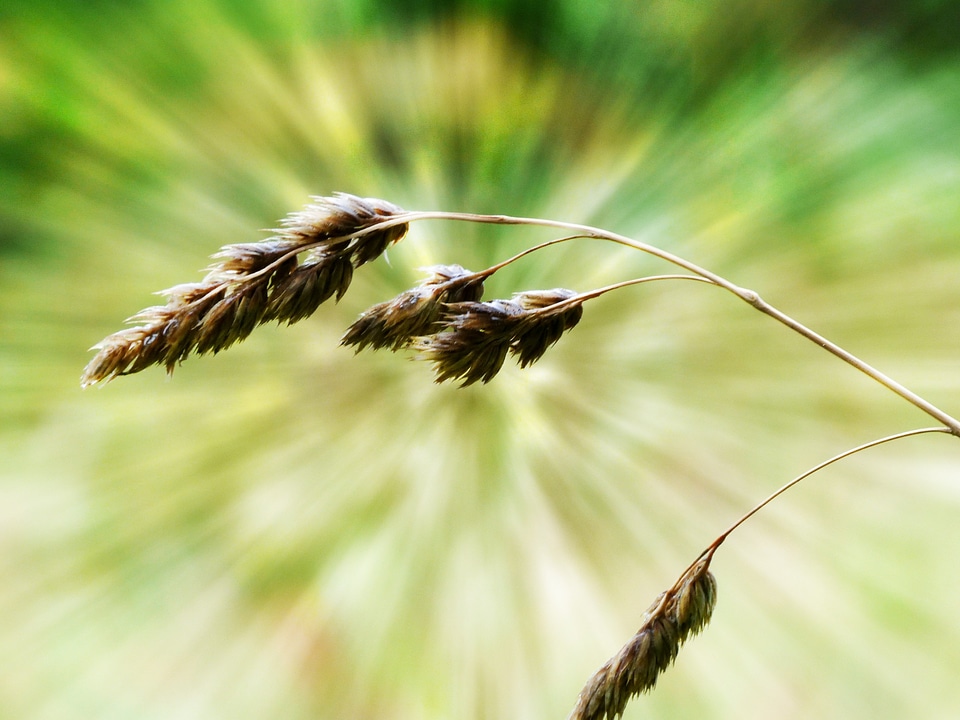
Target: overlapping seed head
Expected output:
[416,312]
[475,337]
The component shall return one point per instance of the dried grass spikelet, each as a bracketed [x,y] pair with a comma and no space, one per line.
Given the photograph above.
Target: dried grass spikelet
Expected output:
[674,616]
[540,328]
[253,283]
[396,323]
[477,336]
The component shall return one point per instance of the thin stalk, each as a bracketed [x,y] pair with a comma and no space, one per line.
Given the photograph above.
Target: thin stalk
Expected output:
[500,265]
[748,296]
[816,468]
[591,294]
[709,551]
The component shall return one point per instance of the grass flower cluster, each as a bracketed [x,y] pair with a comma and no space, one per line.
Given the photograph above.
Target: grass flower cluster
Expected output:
[446,321]
[676,614]
[251,284]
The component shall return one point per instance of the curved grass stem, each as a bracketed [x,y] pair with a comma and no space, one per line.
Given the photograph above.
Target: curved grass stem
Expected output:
[748,296]
[708,552]
[523,253]
[670,620]
[816,468]
[581,298]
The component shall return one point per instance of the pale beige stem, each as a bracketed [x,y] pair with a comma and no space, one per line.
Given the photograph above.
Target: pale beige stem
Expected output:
[816,468]
[748,296]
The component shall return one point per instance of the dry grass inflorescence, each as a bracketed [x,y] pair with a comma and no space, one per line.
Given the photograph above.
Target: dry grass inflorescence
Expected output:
[253,283]
[676,614]
[445,320]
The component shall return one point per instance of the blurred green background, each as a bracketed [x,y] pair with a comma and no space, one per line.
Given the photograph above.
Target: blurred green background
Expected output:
[291,531]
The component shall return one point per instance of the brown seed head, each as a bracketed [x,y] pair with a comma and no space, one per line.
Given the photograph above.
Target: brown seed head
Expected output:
[298,295]
[252,283]
[328,220]
[475,343]
[396,323]
[674,616]
[541,327]
[477,336]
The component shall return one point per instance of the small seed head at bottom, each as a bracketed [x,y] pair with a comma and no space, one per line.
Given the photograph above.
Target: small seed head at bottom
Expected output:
[672,618]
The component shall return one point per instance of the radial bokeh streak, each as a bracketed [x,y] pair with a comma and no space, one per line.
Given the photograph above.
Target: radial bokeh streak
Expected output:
[290,529]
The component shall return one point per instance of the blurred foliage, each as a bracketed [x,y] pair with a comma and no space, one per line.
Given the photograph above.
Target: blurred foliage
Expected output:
[289,530]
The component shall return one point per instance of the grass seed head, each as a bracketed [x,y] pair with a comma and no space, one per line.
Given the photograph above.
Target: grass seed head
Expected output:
[673,617]
[476,337]
[413,313]
[253,283]
[475,342]
[541,326]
